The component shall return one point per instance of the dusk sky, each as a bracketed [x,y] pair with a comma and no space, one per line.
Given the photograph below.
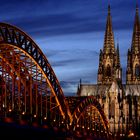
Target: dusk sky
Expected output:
[71,33]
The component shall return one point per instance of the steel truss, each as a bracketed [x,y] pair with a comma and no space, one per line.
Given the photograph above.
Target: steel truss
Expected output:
[30,90]
[29,85]
[89,115]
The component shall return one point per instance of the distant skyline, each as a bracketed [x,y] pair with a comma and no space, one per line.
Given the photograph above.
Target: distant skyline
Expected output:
[71,33]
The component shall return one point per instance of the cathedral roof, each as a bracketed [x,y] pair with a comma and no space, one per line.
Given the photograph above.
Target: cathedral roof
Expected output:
[132,89]
[95,89]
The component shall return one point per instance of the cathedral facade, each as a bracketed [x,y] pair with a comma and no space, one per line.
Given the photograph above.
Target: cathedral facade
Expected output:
[120,102]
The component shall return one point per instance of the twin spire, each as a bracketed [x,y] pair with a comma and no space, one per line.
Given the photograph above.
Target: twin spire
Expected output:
[109,61]
[109,45]
[133,59]
[109,65]
[136,33]
[109,37]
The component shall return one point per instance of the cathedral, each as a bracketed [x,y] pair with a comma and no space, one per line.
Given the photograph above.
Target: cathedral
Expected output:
[120,101]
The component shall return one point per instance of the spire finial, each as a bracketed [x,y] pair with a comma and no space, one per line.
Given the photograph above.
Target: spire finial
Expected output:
[109,8]
[117,42]
[136,2]
[137,6]
[108,2]
[117,45]
[80,81]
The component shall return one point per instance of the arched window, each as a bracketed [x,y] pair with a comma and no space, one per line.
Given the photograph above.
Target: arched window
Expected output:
[108,71]
[137,70]
[111,109]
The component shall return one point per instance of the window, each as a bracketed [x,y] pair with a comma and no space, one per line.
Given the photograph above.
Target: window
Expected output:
[112,109]
[108,71]
[137,70]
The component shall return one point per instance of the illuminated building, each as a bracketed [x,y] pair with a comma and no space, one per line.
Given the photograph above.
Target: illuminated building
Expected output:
[120,101]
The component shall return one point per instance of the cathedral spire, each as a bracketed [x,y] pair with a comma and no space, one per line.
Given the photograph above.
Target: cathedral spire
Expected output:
[109,59]
[109,37]
[118,55]
[136,33]
[133,59]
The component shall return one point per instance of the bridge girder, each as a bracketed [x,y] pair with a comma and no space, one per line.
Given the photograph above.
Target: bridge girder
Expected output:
[90,108]
[29,82]
[34,61]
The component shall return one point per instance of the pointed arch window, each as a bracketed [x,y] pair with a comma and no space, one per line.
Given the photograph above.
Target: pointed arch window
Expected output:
[112,109]
[137,70]
[118,73]
[108,71]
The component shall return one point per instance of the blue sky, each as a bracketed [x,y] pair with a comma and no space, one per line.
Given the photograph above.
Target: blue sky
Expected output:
[71,33]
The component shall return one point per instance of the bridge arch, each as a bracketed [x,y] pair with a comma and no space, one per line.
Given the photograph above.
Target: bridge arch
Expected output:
[25,57]
[86,106]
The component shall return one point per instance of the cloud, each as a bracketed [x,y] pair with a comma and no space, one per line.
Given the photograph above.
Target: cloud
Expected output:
[69,87]
[55,18]
[57,25]
[75,58]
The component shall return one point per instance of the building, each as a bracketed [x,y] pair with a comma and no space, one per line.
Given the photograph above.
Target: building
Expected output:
[120,101]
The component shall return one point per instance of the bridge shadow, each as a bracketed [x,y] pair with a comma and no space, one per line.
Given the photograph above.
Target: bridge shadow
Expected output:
[16,132]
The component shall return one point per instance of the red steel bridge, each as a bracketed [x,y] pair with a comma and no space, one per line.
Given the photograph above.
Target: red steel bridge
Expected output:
[30,91]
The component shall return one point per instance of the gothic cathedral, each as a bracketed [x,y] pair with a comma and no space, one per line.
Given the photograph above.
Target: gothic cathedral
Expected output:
[120,102]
